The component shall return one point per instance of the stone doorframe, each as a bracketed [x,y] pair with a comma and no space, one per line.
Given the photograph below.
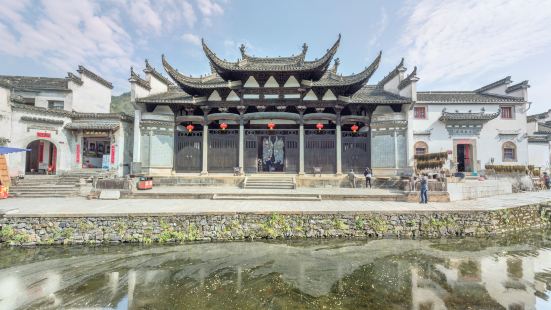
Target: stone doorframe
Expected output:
[472,142]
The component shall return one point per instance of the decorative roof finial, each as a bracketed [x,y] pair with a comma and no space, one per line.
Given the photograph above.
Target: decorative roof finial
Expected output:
[242,49]
[337,62]
[304,48]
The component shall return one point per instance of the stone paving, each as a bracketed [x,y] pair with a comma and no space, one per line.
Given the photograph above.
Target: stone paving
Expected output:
[82,207]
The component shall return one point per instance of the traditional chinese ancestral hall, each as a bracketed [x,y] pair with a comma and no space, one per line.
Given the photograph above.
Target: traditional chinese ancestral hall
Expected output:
[298,116]
[269,115]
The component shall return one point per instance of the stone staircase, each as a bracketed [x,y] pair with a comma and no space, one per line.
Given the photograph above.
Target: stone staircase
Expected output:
[269,182]
[265,196]
[41,186]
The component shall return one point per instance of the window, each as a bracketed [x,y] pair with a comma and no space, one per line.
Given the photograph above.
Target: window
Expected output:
[56,105]
[420,112]
[420,148]
[507,112]
[28,101]
[509,151]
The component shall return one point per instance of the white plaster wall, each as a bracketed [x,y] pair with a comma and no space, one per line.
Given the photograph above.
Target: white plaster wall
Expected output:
[498,90]
[488,144]
[392,85]
[22,135]
[157,86]
[41,98]
[539,154]
[91,96]
[251,82]
[136,91]
[5,113]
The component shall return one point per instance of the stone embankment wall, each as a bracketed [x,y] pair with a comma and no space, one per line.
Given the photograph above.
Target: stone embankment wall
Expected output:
[179,228]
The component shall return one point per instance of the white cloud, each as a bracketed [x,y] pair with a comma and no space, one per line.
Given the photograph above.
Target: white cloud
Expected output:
[465,38]
[380,28]
[192,38]
[209,8]
[142,13]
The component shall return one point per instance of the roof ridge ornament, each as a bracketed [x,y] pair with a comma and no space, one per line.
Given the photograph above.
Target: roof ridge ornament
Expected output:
[412,77]
[399,68]
[506,80]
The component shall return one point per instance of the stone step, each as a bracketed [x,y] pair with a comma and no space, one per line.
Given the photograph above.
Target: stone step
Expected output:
[42,195]
[283,197]
[31,186]
[269,186]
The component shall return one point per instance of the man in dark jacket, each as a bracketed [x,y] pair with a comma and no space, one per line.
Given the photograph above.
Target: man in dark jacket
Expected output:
[368,175]
[424,189]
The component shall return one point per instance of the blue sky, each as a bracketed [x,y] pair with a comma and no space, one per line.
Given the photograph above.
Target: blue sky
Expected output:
[456,44]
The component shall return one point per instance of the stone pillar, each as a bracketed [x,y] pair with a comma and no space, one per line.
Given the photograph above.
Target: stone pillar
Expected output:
[204,170]
[241,146]
[396,149]
[241,110]
[136,151]
[338,138]
[301,110]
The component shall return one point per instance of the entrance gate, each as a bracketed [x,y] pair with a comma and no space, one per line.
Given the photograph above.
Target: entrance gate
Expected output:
[275,150]
[223,154]
[355,151]
[188,151]
[320,150]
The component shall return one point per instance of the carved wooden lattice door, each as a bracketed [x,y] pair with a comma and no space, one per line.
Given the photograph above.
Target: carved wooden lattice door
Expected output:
[320,151]
[223,150]
[355,151]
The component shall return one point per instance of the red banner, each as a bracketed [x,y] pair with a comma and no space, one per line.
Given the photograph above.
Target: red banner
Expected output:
[112,153]
[78,153]
[43,134]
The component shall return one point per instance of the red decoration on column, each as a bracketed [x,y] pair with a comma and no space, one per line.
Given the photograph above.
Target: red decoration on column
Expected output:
[355,128]
[271,125]
[319,126]
[78,153]
[223,126]
[190,128]
[112,154]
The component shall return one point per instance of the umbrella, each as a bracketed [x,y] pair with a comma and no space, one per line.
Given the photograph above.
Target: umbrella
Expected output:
[7,150]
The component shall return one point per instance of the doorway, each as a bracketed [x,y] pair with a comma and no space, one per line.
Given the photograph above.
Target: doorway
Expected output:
[271,154]
[42,158]
[464,157]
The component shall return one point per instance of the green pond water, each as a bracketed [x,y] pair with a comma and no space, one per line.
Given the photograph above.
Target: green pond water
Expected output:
[512,272]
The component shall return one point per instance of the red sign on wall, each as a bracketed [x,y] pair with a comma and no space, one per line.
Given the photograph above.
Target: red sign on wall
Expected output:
[78,153]
[43,134]
[112,153]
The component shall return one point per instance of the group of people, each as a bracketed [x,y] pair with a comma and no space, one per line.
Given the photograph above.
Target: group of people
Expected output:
[367,174]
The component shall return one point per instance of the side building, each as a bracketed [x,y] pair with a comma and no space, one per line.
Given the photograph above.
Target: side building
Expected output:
[297,116]
[65,122]
[539,140]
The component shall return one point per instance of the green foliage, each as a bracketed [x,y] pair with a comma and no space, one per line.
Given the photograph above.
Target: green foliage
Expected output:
[359,223]
[505,216]
[120,227]
[68,232]
[339,224]
[275,226]
[7,233]
[192,232]
[378,224]
[121,104]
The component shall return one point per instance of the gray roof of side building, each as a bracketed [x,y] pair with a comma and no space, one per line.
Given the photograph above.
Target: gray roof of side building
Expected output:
[31,82]
[464,97]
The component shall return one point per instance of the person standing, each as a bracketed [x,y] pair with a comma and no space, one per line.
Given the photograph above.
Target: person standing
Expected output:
[546,180]
[368,175]
[352,178]
[424,189]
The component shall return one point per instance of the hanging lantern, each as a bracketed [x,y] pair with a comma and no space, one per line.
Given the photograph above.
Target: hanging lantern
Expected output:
[190,128]
[271,125]
[223,126]
[319,126]
[355,128]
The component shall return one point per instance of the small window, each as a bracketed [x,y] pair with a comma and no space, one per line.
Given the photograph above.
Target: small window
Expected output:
[507,112]
[56,105]
[420,148]
[29,101]
[420,112]
[509,151]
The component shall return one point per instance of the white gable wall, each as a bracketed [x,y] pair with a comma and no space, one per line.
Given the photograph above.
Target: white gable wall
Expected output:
[271,82]
[291,82]
[157,86]
[251,82]
[310,96]
[91,96]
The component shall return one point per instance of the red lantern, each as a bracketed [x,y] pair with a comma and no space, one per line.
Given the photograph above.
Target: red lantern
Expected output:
[355,128]
[190,128]
[271,125]
[319,126]
[223,126]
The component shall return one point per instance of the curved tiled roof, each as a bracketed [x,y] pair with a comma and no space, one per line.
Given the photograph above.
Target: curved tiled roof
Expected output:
[149,69]
[456,116]
[134,77]
[506,80]
[376,94]
[274,64]
[355,81]
[95,77]
[521,85]
[464,97]
[173,95]
[294,59]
